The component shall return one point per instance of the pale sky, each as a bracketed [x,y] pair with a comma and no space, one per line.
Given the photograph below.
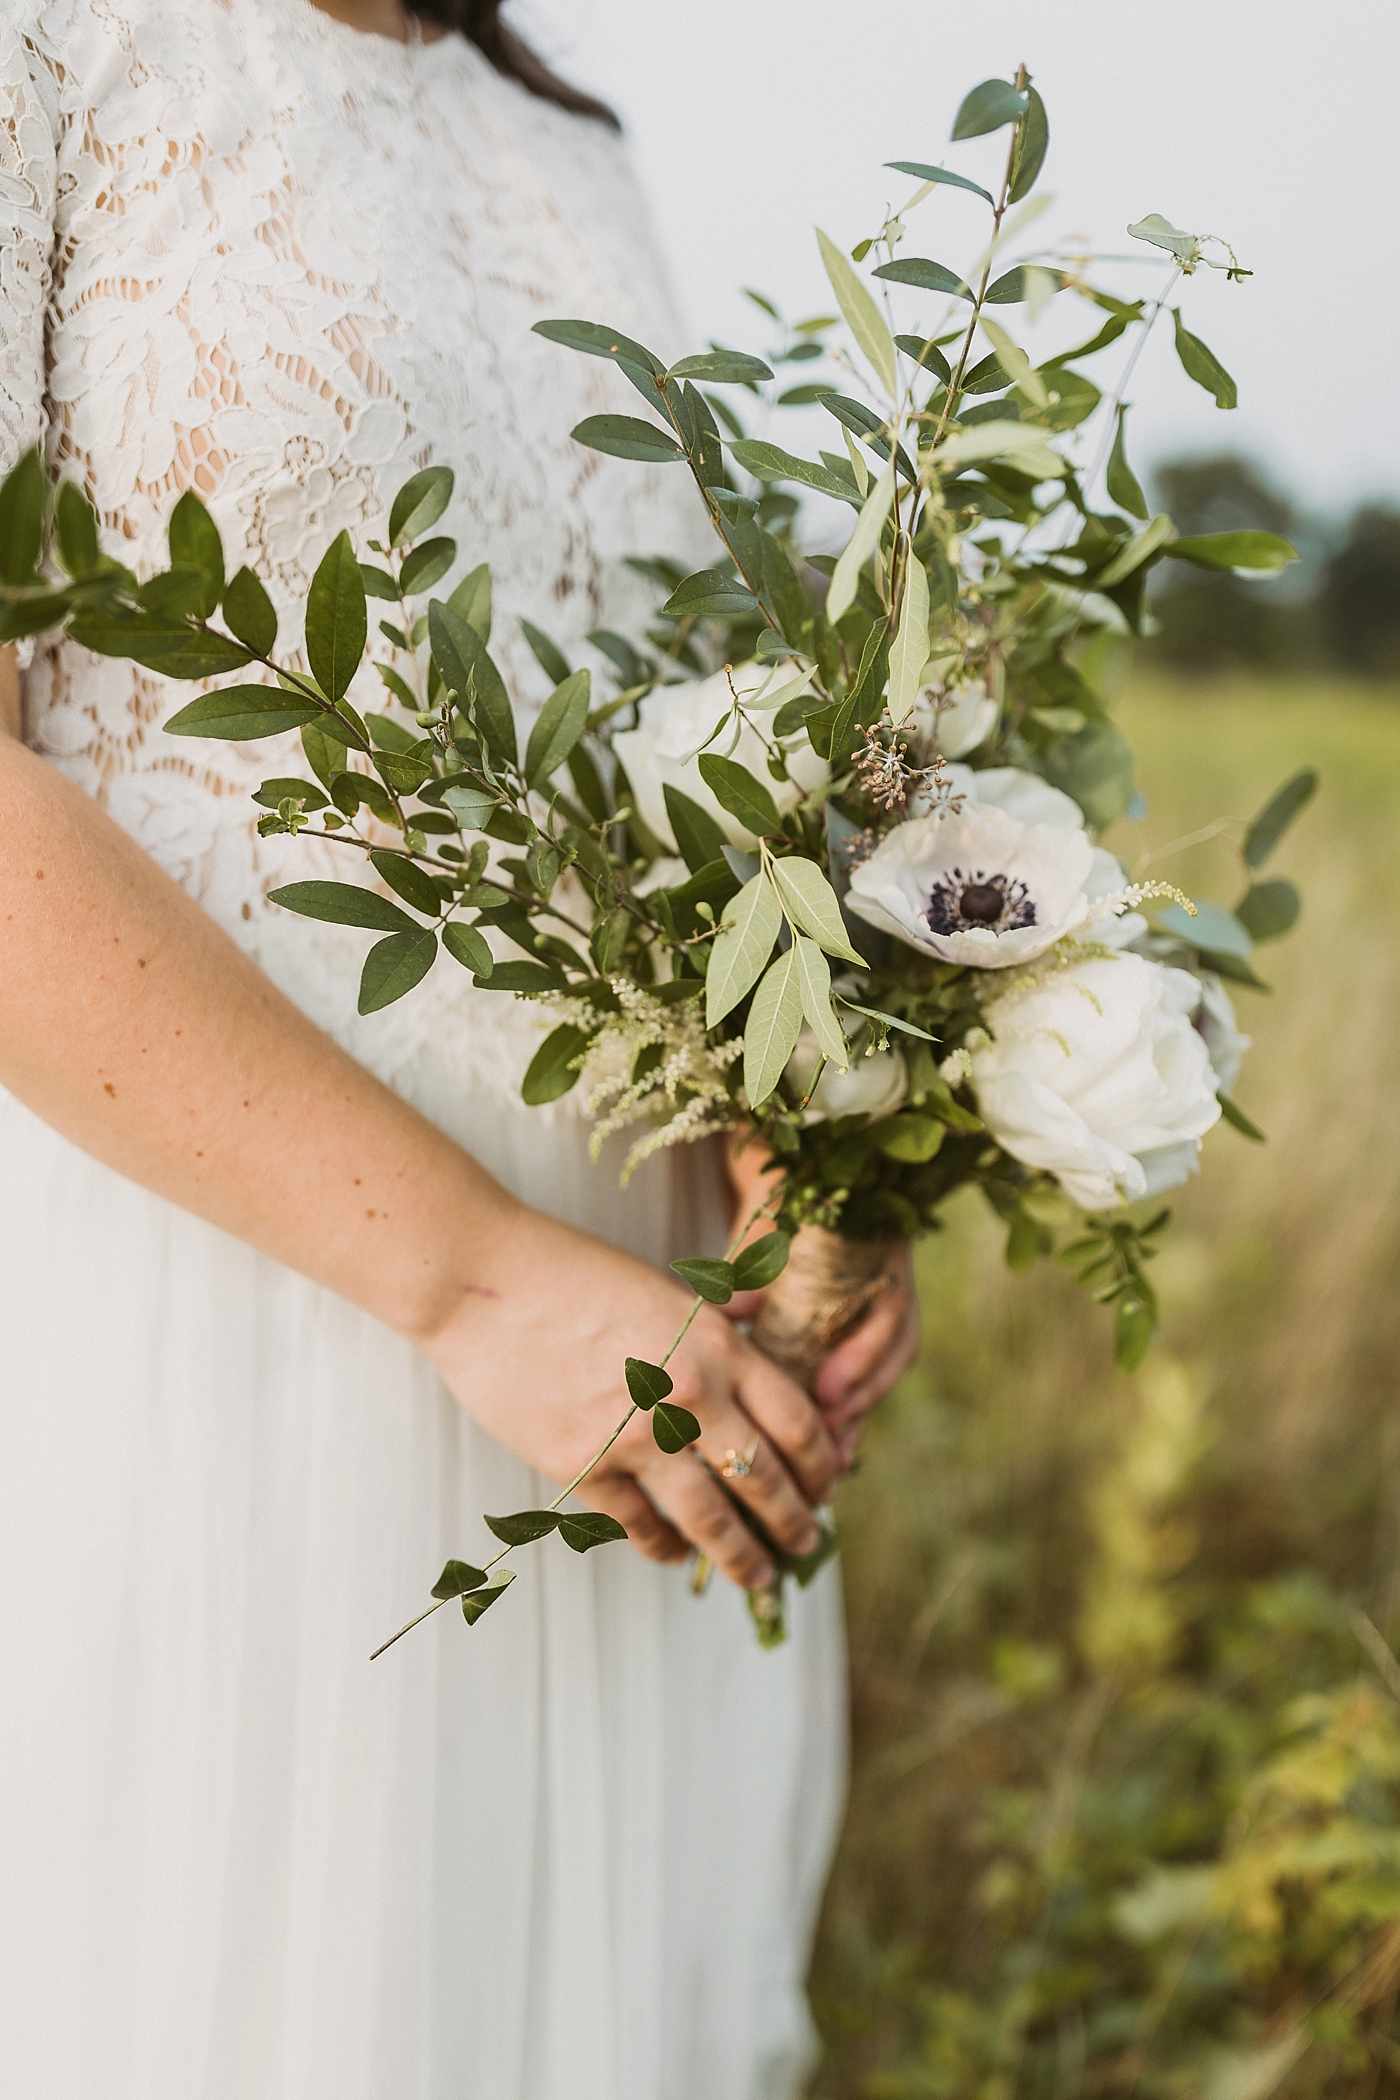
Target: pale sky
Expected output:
[1268,121]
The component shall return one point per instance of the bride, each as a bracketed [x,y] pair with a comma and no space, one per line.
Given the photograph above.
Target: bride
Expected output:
[290,1297]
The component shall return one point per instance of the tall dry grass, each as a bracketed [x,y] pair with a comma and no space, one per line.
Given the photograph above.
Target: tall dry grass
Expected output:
[1011,1784]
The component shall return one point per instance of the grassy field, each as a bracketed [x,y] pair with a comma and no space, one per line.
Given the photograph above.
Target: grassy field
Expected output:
[1127,1742]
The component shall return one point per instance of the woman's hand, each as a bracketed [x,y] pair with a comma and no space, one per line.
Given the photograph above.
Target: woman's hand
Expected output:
[871,1360]
[534,1351]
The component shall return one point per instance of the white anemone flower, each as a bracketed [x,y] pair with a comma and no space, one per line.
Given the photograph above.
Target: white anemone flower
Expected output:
[976,884]
[870,1086]
[673,722]
[1095,1074]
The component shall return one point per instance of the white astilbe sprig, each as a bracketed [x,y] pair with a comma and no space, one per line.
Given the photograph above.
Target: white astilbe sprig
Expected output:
[686,1088]
[1132,895]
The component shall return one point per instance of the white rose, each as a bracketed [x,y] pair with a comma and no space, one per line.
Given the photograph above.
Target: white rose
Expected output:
[870,1086]
[1215,1023]
[957,720]
[1096,1075]
[673,722]
[978,885]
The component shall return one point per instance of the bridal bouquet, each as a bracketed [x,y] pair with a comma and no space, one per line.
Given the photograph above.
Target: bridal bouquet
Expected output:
[824,868]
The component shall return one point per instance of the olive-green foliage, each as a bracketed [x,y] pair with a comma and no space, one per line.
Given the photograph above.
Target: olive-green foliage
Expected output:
[1124,1811]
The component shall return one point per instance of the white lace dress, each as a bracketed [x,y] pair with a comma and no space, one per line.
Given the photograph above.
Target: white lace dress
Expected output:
[578,1849]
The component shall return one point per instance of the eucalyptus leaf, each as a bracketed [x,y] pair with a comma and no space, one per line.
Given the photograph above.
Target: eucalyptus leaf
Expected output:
[1276,816]
[596,341]
[627,437]
[524,1527]
[923,172]
[742,947]
[709,1279]
[771,463]
[394,966]
[1186,247]
[457,1578]
[673,1427]
[583,1529]
[1258,551]
[814,990]
[241,714]
[1212,929]
[1032,144]
[1122,483]
[927,276]
[419,503]
[762,1262]
[561,723]
[863,316]
[722,368]
[647,1383]
[773,1026]
[927,354]
[482,1600]
[987,108]
[554,1068]
[858,549]
[1268,910]
[1201,364]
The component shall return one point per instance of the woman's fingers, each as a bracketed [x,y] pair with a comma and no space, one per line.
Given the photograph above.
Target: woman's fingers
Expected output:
[698,1508]
[646,1528]
[855,1362]
[790,1421]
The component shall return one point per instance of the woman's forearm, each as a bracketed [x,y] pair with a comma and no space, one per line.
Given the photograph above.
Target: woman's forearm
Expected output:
[132,1024]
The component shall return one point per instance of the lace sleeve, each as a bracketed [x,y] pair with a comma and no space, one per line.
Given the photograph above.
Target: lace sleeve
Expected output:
[28,172]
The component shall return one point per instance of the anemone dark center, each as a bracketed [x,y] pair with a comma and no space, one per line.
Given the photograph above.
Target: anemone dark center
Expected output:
[961,901]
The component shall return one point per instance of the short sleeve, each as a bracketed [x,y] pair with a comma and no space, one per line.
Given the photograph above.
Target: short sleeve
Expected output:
[28,182]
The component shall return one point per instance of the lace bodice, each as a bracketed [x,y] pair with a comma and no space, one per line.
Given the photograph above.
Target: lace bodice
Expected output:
[246,249]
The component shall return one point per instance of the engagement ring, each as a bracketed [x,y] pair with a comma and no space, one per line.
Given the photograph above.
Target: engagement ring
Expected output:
[739,1464]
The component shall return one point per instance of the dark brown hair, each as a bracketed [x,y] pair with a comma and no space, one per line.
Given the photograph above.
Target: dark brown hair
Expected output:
[480,22]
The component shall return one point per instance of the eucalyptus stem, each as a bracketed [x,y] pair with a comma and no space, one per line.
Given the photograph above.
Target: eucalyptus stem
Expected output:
[998,213]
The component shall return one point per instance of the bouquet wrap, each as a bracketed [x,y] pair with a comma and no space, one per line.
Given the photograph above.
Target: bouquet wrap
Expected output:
[825,1291]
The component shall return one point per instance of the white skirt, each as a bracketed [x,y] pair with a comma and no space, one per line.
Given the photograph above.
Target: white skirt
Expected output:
[575,1850]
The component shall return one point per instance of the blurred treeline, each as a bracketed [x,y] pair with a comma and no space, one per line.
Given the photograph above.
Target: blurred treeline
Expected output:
[1339,609]
[1125,1809]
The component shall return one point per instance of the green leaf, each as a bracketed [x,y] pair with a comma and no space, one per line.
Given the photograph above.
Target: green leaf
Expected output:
[1162,234]
[195,544]
[922,171]
[699,839]
[1276,816]
[1234,550]
[583,1529]
[524,1527]
[472,807]
[673,1427]
[735,789]
[910,651]
[1238,1120]
[710,594]
[928,276]
[771,463]
[596,341]
[1213,929]
[394,966]
[560,724]
[554,1067]
[427,565]
[75,523]
[711,1280]
[343,904]
[722,368]
[406,878]
[926,354]
[845,578]
[1133,1329]
[378,583]
[336,624]
[762,1262]
[647,1383]
[1032,144]
[1202,365]
[525,977]
[814,989]
[987,108]
[1024,446]
[482,1600]
[1026,1240]
[250,612]
[24,499]
[810,902]
[910,1138]
[174,650]
[863,316]
[419,503]
[282,789]
[240,714]
[472,599]
[627,437]
[742,947]
[1121,481]
[1133,552]
[1269,909]
[772,1028]
[468,947]
[873,1013]
[457,1577]
[32,612]
[468,671]
[550,660]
